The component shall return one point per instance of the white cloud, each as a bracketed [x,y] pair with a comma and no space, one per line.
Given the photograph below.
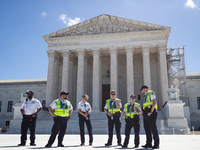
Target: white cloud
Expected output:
[44,14]
[69,21]
[190,4]
[75,21]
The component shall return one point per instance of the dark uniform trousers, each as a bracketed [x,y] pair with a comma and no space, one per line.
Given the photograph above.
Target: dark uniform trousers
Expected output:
[150,127]
[60,125]
[133,122]
[28,122]
[82,119]
[111,122]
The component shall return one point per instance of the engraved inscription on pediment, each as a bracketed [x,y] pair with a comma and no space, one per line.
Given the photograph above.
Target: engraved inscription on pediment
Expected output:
[106,26]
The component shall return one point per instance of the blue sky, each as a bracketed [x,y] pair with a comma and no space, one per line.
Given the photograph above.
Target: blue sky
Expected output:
[24,22]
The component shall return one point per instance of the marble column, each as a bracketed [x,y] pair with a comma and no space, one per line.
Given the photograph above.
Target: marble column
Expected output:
[129,71]
[65,71]
[49,88]
[113,69]
[96,80]
[80,76]
[163,72]
[146,66]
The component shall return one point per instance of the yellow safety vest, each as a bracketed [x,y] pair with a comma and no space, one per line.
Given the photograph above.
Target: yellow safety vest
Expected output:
[129,111]
[147,101]
[62,110]
[113,108]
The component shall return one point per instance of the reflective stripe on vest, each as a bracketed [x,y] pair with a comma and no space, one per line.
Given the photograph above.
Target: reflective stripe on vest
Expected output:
[129,110]
[112,108]
[62,110]
[147,102]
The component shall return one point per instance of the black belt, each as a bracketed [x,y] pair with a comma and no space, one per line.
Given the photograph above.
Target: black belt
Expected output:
[27,115]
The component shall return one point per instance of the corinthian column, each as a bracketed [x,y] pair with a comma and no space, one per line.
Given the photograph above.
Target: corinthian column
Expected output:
[96,79]
[113,69]
[65,71]
[163,72]
[129,71]
[49,89]
[80,76]
[146,66]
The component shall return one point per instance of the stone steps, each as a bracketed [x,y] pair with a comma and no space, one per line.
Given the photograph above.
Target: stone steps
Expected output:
[98,121]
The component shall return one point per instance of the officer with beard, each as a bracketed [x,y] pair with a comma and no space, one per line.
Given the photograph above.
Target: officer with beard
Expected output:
[30,108]
[63,110]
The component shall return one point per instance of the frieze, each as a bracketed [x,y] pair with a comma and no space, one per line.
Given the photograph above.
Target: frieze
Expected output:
[106,26]
[104,39]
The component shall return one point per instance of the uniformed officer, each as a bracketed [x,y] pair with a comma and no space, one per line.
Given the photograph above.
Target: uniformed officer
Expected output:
[112,109]
[84,110]
[149,117]
[30,108]
[63,110]
[131,116]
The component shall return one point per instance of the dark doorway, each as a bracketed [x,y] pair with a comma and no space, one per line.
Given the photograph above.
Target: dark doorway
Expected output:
[105,94]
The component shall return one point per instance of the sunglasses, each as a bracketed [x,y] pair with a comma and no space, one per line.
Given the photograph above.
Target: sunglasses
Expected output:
[86,99]
[113,94]
[133,97]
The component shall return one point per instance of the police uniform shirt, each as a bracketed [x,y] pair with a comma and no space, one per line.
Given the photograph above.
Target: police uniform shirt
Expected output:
[30,106]
[152,96]
[120,104]
[139,108]
[54,105]
[84,107]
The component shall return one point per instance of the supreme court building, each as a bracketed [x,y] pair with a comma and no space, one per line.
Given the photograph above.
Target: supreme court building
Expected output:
[107,53]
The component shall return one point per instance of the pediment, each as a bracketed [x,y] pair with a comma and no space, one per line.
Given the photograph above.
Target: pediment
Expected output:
[106,24]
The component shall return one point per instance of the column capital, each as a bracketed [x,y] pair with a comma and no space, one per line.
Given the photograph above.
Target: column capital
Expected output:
[51,54]
[145,48]
[95,50]
[129,49]
[65,53]
[162,47]
[113,50]
[80,52]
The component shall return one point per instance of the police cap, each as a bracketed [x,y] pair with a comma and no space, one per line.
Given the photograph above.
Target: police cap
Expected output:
[64,93]
[29,92]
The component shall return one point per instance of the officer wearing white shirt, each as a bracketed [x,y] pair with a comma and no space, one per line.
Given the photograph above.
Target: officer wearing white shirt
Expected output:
[30,108]
[84,110]
[63,109]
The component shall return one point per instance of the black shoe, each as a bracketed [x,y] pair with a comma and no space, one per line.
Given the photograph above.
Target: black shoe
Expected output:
[119,144]
[90,144]
[124,146]
[32,144]
[108,144]
[21,144]
[136,146]
[82,144]
[47,145]
[155,147]
[60,145]
[147,146]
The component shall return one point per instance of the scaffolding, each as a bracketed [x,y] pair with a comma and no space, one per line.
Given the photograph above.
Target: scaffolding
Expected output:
[176,72]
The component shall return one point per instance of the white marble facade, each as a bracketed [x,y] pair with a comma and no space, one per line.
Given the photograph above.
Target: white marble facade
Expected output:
[81,56]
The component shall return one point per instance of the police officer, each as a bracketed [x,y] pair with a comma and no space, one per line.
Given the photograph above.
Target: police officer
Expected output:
[63,110]
[84,110]
[131,116]
[112,109]
[30,108]
[149,117]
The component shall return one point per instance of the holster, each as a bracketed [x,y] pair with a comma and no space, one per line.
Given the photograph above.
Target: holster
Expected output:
[146,110]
